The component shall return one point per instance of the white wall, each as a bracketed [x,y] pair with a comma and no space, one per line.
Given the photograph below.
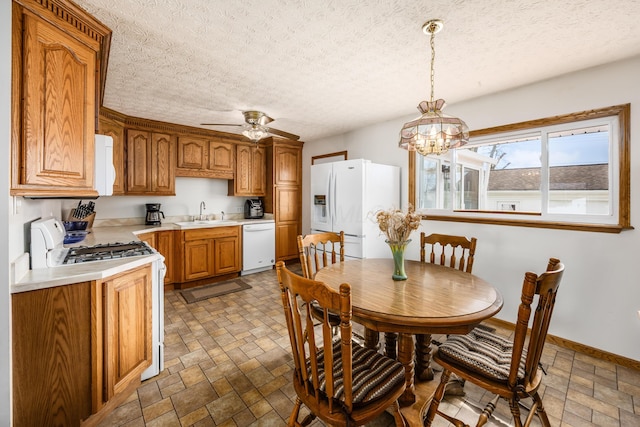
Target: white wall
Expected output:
[5,137]
[189,193]
[599,298]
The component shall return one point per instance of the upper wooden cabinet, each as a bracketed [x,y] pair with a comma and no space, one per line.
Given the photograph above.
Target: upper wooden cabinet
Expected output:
[151,163]
[56,86]
[205,158]
[115,129]
[287,169]
[250,179]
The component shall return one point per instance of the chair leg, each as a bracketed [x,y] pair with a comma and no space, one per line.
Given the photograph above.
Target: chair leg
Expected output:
[515,411]
[487,411]
[539,410]
[293,418]
[437,398]
[400,421]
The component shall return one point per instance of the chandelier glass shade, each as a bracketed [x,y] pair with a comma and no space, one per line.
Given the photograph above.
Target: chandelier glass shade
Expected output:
[433,132]
[255,132]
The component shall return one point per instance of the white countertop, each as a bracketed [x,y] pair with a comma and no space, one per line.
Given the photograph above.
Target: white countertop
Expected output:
[96,270]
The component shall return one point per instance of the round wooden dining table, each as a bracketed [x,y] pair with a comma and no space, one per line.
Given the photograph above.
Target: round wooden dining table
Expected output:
[433,300]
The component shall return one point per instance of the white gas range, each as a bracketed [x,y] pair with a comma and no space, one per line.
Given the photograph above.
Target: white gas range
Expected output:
[48,251]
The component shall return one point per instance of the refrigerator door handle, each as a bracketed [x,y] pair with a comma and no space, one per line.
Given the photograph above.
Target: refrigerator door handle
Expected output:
[335,198]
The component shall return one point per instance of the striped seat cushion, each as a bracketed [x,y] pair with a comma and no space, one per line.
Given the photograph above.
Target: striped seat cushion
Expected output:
[483,352]
[374,375]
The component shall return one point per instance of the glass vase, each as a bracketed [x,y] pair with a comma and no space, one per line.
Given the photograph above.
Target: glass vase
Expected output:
[397,250]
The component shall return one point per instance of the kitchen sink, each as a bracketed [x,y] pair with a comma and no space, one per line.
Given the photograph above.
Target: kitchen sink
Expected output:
[206,223]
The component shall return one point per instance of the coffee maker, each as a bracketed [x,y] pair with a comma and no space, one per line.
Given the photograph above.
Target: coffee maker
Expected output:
[253,209]
[153,214]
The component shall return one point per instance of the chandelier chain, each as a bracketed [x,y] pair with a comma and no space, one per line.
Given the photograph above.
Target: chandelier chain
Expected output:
[433,60]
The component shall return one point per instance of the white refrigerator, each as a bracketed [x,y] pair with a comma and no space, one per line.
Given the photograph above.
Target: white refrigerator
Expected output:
[345,196]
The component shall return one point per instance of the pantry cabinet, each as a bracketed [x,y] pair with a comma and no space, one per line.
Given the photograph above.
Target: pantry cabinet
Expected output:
[151,160]
[56,87]
[205,157]
[79,349]
[250,178]
[208,252]
[284,198]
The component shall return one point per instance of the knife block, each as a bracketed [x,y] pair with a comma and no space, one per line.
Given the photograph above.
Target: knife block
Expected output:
[89,218]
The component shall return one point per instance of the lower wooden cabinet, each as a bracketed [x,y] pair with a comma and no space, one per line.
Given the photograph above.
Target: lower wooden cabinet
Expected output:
[52,361]
[79,349]
[208,252]
[127,329]
[162,241]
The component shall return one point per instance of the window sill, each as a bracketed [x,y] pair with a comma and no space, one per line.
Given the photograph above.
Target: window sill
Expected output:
[595,228]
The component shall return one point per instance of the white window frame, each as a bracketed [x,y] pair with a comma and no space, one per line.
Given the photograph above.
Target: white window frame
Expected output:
[616,118]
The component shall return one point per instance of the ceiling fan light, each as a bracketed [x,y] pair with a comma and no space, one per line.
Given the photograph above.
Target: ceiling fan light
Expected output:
[255,133]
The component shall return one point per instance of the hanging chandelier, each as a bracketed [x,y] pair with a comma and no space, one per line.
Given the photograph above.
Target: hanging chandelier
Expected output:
[433,132]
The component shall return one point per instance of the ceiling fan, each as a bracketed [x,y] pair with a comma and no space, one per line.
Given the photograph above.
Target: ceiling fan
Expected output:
[255,126]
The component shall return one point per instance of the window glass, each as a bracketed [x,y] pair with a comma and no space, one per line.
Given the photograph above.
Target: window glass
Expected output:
[571,169]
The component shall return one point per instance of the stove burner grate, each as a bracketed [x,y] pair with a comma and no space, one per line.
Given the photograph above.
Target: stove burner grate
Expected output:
[107,251]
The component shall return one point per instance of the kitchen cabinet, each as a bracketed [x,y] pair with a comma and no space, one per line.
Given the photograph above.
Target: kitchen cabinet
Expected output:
[56,86]
[205,158]
[250,177]
[151,160]
[115,129]
[52,362]
[162,241]
[127,329]
[79,349]
[208,252]
[284,195]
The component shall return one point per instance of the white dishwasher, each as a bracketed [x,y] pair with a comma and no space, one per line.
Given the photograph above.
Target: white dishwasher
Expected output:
[258,247]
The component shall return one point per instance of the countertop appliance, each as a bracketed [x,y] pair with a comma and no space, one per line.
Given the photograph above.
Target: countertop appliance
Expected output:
[345,196]
[153,214]
[258,247]
[47,250]
[253,209]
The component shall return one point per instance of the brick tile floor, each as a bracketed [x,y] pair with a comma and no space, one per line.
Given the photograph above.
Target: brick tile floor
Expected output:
[227,363]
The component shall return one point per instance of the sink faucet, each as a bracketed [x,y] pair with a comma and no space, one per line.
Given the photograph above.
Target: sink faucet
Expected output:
[202,208]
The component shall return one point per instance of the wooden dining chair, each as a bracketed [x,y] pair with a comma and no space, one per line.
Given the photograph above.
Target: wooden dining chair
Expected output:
[340,382]
[503,366]
[317,251]
[451,251]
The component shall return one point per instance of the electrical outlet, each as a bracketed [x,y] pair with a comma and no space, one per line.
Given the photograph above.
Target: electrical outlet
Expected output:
[238,209]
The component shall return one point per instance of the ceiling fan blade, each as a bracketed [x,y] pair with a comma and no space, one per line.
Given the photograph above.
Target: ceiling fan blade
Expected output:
[218,124]
[282,133]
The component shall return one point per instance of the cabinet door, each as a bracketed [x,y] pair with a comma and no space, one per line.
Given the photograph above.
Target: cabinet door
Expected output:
[258,171]
[286,244]
[227,255]
[138,161]
[163,164]
[242,181]
[198,259]
[58,110]
[127,329]
[192,153]
[221,158]
[288,224]
[116,131]
[164,242]
[52,361]
[287,165]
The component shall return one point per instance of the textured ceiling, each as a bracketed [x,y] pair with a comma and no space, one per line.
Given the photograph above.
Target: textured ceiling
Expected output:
[323,67]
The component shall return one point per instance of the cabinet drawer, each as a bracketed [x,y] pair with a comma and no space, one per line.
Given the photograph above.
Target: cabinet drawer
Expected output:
[210,233]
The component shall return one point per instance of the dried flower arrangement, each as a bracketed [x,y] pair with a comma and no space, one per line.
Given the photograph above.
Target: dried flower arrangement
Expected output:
[396,224]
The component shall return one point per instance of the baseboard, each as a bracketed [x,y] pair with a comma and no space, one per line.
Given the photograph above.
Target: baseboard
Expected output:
[572,345]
